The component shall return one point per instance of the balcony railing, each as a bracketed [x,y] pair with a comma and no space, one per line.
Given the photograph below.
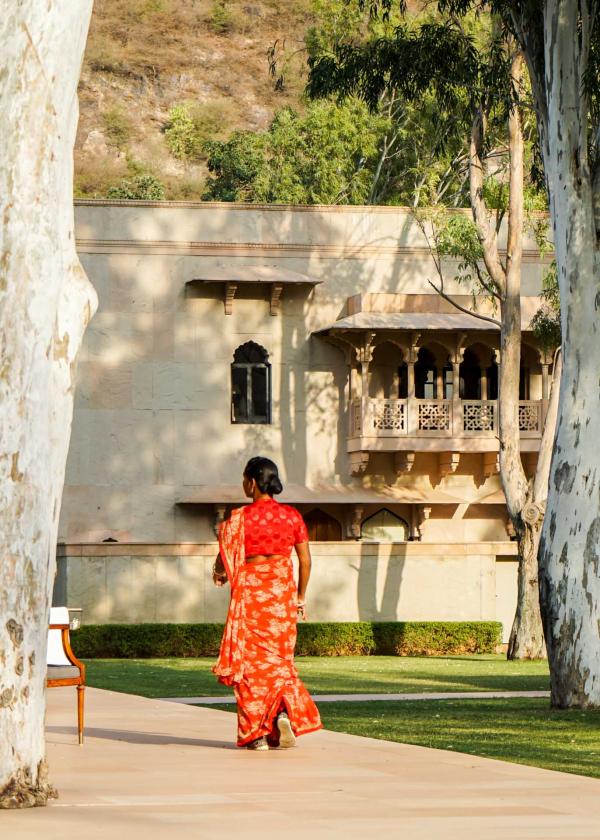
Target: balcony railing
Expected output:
[437,418]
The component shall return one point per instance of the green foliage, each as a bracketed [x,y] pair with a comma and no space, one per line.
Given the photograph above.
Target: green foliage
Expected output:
[192,124]
[406,638]
[139,188]
[325,156]
[181,134]
[117,126]
[221,19]
[546,321]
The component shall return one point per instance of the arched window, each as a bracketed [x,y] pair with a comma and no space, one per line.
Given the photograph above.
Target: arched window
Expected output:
[250,385]
[384,526]
[322,527]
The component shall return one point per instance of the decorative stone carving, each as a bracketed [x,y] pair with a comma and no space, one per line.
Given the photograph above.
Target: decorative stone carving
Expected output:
[420,514]
[276,290]
[448,462]
[355,522]
[359,461]
[230,290]
[404,462]
[491,463]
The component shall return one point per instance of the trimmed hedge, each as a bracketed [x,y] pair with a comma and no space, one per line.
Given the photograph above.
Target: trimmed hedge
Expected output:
[363,638]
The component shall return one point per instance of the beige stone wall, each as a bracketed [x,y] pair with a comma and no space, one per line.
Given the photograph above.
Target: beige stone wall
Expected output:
[350,582]
[152,404]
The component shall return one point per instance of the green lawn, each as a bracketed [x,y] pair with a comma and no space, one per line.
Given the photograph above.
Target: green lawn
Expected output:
[523,730]
[339,675]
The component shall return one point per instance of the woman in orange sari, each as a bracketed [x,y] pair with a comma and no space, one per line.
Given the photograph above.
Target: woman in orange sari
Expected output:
[257,650]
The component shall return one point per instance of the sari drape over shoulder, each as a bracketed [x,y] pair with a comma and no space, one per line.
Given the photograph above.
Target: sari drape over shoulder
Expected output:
[257,650]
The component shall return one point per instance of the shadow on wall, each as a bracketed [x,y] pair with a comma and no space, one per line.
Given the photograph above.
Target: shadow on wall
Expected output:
[153,397]
[377,603]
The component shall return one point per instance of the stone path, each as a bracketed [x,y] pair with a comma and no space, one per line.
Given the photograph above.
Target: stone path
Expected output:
[359,698]
[151,770]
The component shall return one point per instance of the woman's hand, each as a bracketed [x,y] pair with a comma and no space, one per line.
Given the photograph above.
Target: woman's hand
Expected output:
[219,574]
[301,607]
[219,580]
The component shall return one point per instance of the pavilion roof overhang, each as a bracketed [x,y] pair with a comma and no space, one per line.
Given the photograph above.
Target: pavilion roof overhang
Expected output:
[232,494]
[414,322]
[272,276]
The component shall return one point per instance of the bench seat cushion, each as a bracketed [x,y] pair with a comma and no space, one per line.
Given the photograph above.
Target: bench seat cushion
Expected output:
[62,672]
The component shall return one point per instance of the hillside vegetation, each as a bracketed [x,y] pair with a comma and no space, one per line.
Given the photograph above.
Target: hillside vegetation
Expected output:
[146,57]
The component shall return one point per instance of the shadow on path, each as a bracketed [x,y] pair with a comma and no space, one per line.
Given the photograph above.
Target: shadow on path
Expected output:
[142,737]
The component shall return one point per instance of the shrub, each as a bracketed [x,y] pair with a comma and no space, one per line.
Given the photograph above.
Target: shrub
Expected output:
[139,188]
[117,126]
[182,136]
[192,124]
[364,638]
[221,19]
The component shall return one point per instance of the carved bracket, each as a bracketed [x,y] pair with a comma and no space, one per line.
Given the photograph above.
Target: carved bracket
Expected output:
[448,462]
[230,290]
[276,290]
[404,462]
[359,461]
[421,514]
[491,464]
[355,522]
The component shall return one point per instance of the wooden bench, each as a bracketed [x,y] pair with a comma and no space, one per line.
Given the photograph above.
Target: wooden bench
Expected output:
[62,666]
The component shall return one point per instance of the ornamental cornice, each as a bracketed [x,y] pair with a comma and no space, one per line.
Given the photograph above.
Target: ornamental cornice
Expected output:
[261,249]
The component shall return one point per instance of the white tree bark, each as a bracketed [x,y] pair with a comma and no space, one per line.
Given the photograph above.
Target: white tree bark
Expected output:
[570,544]
[46,302]
[526,638]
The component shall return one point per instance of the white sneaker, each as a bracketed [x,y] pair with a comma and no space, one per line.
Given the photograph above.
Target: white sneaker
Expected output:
[287,738]
[259,745]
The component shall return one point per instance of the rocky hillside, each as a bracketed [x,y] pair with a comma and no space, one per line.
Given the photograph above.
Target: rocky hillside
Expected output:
[144,57]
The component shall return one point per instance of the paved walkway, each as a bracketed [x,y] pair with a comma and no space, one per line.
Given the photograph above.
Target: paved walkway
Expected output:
[361,698]
[151,770]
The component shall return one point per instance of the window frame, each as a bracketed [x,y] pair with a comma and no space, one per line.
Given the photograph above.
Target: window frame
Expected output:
[250,418]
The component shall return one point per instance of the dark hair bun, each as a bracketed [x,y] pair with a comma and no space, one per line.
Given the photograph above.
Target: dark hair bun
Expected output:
[265,473]
[275,486]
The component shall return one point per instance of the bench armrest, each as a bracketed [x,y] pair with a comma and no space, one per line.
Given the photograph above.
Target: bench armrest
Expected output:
[66,643]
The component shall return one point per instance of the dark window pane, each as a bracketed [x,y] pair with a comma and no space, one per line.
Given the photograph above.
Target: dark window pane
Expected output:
[448,382]
[259,393]
[402,382]
[239,395]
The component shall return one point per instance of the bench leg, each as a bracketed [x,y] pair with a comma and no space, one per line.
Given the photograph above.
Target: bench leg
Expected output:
[80,699]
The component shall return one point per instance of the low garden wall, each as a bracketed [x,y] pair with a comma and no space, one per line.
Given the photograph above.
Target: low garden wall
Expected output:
[351,582]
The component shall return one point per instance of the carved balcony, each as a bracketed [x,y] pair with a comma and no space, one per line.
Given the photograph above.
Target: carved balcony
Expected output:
[389,425]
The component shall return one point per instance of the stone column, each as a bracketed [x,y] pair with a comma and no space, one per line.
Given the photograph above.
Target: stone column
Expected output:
[411,405]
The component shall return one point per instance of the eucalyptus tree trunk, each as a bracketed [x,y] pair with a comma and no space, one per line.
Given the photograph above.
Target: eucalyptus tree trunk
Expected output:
[46,302]
[527,638]
[570,543]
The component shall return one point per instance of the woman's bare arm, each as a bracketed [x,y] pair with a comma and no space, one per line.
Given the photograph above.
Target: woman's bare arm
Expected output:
[305,563]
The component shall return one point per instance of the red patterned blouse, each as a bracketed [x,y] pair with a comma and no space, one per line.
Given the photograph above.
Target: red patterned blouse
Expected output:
[272,528]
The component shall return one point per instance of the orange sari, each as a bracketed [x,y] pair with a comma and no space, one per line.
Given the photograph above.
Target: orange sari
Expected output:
[257,649]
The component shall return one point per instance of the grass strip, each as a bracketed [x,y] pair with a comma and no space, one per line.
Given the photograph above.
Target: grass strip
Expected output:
[337,675]
[519,730]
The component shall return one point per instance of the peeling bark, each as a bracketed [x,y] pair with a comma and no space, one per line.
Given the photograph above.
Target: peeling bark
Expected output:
[569,548]
[45,304]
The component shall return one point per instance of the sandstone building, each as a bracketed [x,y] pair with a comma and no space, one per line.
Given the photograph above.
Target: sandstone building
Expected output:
[313,336]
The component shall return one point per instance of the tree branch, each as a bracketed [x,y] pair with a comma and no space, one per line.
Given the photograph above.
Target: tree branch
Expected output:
[443,294]
[485,233]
